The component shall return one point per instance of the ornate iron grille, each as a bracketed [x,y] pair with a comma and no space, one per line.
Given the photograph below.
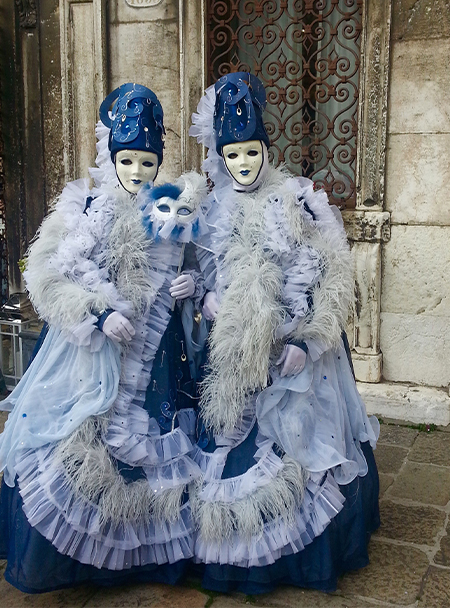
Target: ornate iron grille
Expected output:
[307,53]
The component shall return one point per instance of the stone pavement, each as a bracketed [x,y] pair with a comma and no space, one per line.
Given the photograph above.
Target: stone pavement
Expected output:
[410,554]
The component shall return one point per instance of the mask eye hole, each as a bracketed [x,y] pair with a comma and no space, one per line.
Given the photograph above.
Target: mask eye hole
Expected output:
[253,153]
[163,208]
[125,161]
[232,155]
[184,211]
[148,163]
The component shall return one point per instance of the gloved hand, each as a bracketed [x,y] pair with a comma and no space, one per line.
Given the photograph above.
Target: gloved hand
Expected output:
[182,287]
[117,327]
[210,306]
[293,359]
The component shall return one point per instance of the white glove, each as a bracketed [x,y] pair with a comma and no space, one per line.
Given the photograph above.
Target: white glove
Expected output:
[118,328]
[182,287]
[210,306]
[293,359]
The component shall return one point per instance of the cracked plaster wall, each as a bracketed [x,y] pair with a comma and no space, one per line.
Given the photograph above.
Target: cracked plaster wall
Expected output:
[415,298]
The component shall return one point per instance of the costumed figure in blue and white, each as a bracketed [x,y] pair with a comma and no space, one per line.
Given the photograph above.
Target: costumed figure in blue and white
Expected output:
[289,493]
[96,449]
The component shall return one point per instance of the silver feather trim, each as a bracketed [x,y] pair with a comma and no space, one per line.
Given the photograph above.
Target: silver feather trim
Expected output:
[94,478]
[219,521]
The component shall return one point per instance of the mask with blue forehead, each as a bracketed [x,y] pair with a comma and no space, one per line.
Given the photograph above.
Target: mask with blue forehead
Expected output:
[239,107]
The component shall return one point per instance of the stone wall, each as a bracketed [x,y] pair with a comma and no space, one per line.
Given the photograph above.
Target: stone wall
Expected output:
[144,47]
[415,301]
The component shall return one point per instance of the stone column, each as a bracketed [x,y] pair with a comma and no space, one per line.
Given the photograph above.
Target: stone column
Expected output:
[368,225]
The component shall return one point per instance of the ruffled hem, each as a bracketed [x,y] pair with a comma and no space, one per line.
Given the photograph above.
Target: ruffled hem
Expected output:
[76,529]
[240,430]
[231,489]
[140,449]
[177,472]
[130,434]
[321,503]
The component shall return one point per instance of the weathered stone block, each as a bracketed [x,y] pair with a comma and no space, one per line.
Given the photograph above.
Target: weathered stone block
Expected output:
[416,348]
[419,85]
[417,177]
[431,447]
[393,575]
[419,525]
[436,589]
[423,483]
[291,597]
[390,458]
[415,271]
[367,258]
[368,368]
[368,226]
[157,68]
[418,404]
[146,596]
[393,434]
[425,19]
[442,557]
[70,598]
[385,483]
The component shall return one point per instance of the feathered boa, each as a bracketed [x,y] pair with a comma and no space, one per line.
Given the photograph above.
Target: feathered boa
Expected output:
[85,261]
[276,250]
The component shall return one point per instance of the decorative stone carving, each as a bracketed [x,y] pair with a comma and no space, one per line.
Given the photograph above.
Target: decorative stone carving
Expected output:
[27,13]
[368,226]
[143,3]
[367,230]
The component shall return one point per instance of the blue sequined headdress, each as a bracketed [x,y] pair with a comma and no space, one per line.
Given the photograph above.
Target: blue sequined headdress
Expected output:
[136,120]
[240,103]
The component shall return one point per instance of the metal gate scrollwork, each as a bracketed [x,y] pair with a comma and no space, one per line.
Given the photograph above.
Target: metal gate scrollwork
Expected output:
[307,54]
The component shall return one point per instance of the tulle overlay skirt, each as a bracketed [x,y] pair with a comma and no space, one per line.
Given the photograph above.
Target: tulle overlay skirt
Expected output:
[60,526]
[340,548]
[290,496]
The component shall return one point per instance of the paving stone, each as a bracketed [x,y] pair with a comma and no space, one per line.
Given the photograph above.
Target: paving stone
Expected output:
[431,447]
[436,589]
[226,601]
[442,557]
[385,482]
[424,483]
[418,525]
[397,435]
[389,458]
[145,596]
[394,575]
[66,598]
[291,597]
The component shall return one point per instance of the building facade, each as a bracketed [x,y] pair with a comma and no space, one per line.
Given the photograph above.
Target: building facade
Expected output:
[369,80]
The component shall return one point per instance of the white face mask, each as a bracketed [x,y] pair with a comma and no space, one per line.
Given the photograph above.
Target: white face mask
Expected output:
[179,210]
[135,168]
[244,161]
